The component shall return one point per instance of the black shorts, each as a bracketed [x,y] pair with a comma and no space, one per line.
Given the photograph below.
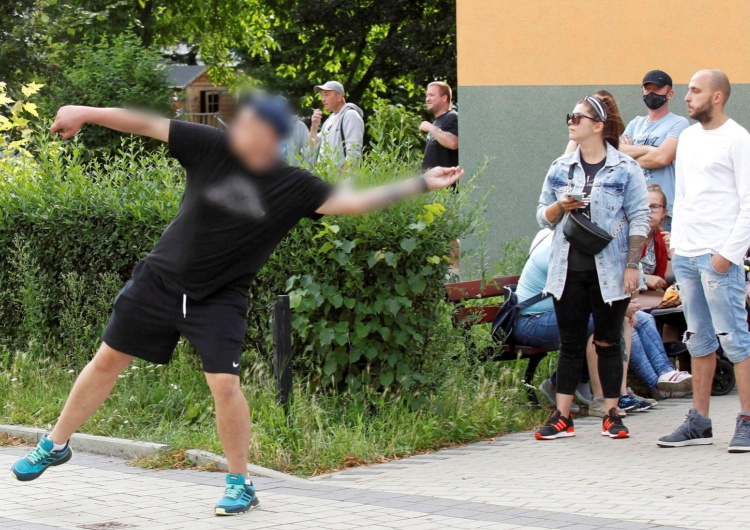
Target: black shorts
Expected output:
[149,317]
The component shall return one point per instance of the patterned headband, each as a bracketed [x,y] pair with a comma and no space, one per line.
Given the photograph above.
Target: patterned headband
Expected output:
[598,107]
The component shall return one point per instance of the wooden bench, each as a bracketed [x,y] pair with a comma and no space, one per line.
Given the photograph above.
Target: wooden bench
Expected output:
[474,314]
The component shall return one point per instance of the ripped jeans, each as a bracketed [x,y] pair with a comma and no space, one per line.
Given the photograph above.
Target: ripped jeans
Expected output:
[581,299]
[714,304]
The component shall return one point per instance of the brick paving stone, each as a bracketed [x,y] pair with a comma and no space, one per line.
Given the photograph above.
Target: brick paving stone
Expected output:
[514,482]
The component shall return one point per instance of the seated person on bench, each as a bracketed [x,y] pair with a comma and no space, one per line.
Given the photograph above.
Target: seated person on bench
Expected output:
[648,359]
[537,325]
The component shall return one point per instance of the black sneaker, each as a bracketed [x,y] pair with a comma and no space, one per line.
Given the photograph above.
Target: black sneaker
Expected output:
[558,426]
[612,425]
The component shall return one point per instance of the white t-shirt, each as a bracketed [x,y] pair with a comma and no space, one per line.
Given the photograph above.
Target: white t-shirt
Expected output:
[712,192]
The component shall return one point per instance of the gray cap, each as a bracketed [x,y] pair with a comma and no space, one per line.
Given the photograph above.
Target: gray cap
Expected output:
[331,85]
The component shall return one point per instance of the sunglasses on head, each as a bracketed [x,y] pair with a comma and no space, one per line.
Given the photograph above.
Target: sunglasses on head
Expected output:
[575,118]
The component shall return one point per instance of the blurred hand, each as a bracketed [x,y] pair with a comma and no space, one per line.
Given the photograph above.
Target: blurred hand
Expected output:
[569,204]
[633,306]
[425,127]
[443,177]
[720,263]
[667,237]
[317,118]
[68,121]
[631,280]
[655,283]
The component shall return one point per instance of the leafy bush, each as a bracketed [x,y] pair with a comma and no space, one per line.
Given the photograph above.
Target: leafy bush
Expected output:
[112,72]
[367,291]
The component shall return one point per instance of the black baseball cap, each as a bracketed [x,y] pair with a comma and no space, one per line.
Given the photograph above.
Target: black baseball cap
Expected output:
[271,108]
[658,78]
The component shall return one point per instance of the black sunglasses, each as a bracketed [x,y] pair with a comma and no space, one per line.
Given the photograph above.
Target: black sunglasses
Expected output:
[575,118]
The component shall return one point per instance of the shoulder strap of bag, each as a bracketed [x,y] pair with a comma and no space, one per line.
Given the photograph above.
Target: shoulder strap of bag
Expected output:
[341,129]
[531,251]
[533,300]
[571,172]
[624,219]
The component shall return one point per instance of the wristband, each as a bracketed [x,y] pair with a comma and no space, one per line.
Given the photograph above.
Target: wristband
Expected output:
[423,186]
[632,266]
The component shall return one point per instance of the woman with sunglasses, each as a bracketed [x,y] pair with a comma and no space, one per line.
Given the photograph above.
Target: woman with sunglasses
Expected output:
[608,188]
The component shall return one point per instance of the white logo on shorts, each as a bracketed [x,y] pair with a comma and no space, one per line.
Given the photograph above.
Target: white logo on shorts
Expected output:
[236,365]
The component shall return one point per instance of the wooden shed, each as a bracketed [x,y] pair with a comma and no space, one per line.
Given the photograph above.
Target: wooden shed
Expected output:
[197,99]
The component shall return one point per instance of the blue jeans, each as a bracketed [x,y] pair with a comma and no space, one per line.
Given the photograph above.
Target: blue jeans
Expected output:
[539,331]
[648,359]
[714,304]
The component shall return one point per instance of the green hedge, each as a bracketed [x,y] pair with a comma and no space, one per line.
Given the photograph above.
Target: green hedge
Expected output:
[367,295]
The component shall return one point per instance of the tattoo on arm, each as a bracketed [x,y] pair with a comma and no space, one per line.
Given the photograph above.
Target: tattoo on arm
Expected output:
[557,215]
[635,248]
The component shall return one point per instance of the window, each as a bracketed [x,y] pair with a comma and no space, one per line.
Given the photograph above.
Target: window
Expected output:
[209,102]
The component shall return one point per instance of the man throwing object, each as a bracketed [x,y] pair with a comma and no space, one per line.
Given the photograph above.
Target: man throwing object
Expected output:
[240,201]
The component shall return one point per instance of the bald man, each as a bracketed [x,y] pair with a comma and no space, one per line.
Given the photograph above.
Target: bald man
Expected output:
[710,237]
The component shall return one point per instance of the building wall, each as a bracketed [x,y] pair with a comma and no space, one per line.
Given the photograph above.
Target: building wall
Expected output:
[523,64]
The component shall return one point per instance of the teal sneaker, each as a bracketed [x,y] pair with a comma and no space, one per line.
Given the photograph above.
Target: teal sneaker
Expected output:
[42,457]
[238,497]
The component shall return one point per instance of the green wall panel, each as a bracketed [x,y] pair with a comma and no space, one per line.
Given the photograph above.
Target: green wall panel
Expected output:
[522,130]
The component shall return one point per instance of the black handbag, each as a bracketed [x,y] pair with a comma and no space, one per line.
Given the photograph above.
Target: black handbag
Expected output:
[581,232]
[505,319]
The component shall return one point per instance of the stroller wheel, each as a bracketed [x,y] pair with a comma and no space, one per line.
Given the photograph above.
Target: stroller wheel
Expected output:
[723,377]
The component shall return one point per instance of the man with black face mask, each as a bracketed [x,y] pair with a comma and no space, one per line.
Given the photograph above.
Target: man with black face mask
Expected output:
[652,139]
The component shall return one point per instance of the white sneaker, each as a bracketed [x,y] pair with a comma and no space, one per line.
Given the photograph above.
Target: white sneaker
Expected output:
[667,394]
[675,381]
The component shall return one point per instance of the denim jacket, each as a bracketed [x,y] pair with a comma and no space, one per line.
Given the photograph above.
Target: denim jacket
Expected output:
[619,190]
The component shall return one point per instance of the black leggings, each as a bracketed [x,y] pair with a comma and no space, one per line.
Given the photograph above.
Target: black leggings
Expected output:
[583,297]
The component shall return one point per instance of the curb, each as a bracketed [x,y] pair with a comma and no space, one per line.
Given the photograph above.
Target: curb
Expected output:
[87,443]
[131,450]
[211,460]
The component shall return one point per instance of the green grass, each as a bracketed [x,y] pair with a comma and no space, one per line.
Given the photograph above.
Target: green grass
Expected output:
[319,432]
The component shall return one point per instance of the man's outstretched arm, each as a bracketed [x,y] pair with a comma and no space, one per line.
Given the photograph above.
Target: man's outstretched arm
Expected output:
[353,202]
[71,118]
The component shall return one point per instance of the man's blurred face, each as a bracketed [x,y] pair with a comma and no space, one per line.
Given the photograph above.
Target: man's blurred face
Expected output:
[434,101]
[331,100]
[252,139]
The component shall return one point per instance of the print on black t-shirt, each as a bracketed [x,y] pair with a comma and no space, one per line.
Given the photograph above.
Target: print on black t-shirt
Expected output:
[230,219]
[578,261]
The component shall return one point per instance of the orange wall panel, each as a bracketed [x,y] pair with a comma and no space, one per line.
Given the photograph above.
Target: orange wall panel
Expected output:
[603,42]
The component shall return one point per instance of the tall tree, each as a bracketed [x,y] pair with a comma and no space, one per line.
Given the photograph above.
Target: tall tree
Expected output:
[377,48]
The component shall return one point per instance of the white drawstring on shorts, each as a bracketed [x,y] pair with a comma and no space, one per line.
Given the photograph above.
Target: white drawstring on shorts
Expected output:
[184,306]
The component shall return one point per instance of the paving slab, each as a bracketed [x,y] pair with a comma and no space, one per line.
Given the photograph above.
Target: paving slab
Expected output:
[585,483]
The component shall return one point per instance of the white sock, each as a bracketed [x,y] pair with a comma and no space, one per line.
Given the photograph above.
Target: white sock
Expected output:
[58,447]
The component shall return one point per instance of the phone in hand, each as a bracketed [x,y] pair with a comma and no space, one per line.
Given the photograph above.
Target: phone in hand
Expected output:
[576,196]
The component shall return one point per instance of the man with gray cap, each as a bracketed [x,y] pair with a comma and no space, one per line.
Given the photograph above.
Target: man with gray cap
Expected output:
[652,139]
[341,138]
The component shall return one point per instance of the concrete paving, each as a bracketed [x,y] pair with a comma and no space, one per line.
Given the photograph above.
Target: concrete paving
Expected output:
[513,482]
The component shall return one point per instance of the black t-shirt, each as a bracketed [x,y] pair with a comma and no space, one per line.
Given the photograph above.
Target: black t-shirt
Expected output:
[435,155]
[578,261]
[230,219]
